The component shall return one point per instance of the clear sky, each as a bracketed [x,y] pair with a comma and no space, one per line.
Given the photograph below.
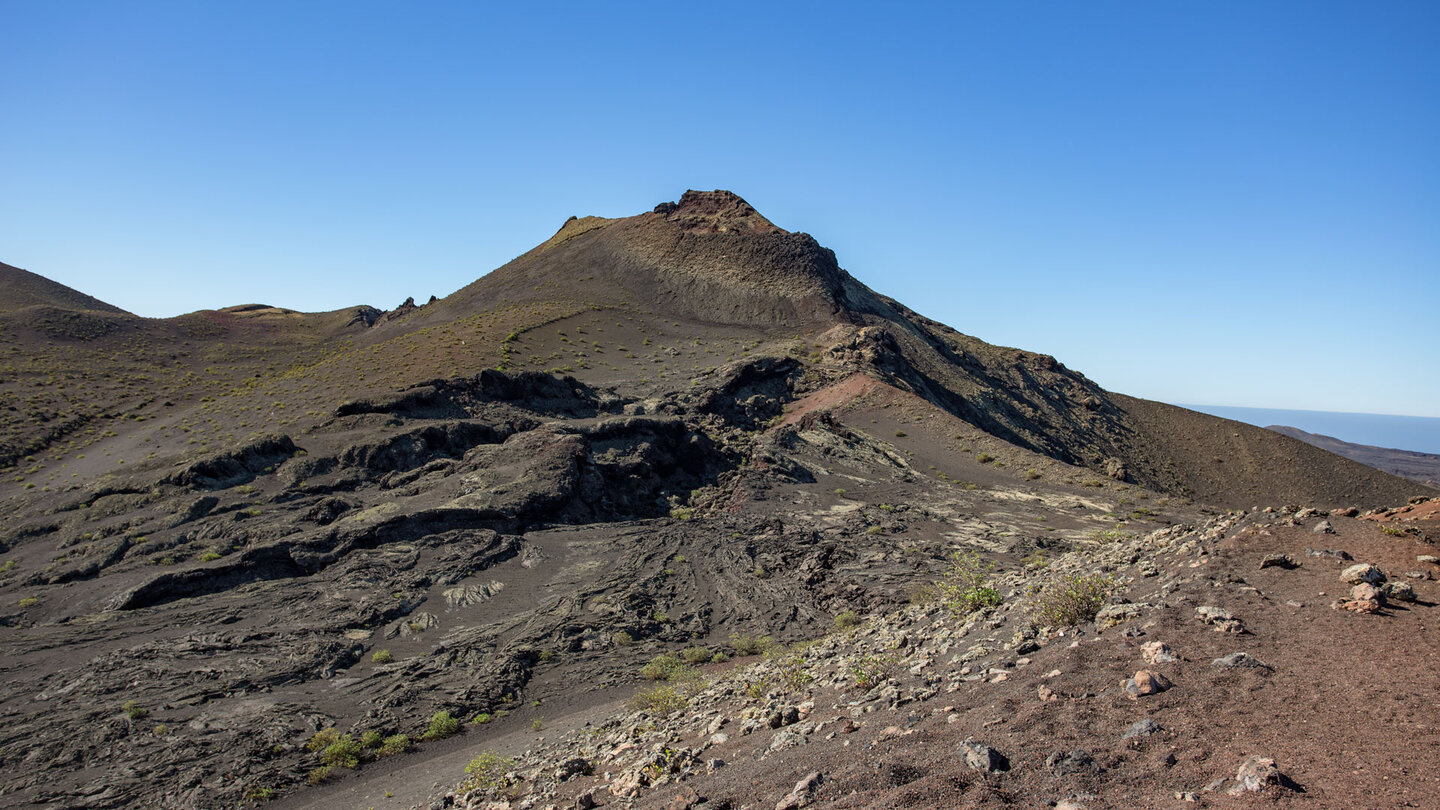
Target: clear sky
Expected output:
[1234,203]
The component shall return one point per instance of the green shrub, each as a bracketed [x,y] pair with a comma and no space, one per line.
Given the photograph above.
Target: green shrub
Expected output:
[662,699]
[1032,474]
[1071,600]
[481,719]
[984,458]
[371,740]
[209,556]
[392,745]
[662,667]
[442,725]
[964,588]
[344,752]
[28,601]
[870,670]
[382,657]
[486,772]
[750,645]
[322,739]
[134,710]
[622,639]
[846,619]
[695,655]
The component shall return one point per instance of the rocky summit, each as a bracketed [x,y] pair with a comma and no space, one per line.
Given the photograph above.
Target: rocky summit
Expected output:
[673,512]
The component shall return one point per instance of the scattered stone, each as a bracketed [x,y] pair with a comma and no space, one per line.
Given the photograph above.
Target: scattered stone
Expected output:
[1240,660]
[1348,511]
[686,799]
[1399,591]
[1323,527]
[1279,561]
[1141,728]
[1157,652]
[1046,694]
[801,793]
[1111,615]
[980,757]
[573,767]
[1255,774]
[1367,591]
[1417,574]
[1223,620]
[1328,552]
[1144,682]
[586,801]
[1364,598]
[1430,559]
[1064,763]
[1363,572]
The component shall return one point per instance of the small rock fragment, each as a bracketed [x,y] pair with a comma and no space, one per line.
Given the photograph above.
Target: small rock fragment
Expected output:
[1363,572]
[1111,615]
[1430,559]
[981,757]
[1323,527]
[1145,682]
[1141,728]
[1065,763]
[1400,591]
[1279,561]
[1157,652]
[1223,620]
[1328,552]
[1255,774]
[1240,660]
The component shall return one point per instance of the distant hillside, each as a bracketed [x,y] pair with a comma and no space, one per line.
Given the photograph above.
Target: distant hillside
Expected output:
[1422,467]
[20,289]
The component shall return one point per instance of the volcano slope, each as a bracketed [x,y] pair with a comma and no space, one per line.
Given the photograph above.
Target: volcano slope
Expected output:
[234,530]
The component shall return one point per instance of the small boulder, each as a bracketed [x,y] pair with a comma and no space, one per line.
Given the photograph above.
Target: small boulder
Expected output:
[1328,552]
[1239,660]
[1111,615]
[1064,763]
[1144,682]
[1141,728]
[1223,620]
[1279,561]
[1323,527]
[1427,559]
[1363,572]
[981,757]
[1400,591]
[1157,652]
[1255,774]
[1365,591]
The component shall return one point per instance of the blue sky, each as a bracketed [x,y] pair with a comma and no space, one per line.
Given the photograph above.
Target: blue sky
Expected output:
[1232,203]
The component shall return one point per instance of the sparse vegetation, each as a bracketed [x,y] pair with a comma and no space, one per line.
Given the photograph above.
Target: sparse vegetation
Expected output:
[134,710]
[965,588]
[870,670]
[1071,600]
[382,657]
[442,725]
[486,772]
[846,619]
[984,458]
[750,645]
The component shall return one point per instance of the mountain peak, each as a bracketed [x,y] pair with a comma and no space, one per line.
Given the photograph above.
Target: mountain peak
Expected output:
[715,211]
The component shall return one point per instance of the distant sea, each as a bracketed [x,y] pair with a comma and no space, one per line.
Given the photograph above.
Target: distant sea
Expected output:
[1418,433]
